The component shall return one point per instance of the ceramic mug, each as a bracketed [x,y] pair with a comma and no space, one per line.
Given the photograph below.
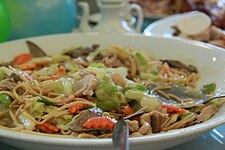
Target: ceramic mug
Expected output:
[4,22]
[39,17]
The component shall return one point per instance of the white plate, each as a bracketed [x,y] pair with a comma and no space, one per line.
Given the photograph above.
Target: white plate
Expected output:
[213,140]
[163,27]
[211,67]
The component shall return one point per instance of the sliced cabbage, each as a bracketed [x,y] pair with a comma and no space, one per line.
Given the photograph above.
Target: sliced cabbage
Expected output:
[63,86]
[100,72]
[62,121]
[6,70]
[47,70]
[37,108]
[150,102]
[60,86]
[109,96]
[28,124]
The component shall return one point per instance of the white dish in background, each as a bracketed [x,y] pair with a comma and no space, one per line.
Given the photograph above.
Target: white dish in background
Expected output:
[211,68]
[163,27]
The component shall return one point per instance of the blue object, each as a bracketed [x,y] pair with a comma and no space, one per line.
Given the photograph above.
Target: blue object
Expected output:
[40,17]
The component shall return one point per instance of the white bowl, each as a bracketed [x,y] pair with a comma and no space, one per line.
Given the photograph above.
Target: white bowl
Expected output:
[209,60]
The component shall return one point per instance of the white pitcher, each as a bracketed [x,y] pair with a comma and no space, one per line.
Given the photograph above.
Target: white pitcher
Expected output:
[113,17]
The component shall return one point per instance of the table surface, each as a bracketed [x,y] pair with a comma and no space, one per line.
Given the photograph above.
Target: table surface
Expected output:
[213,140]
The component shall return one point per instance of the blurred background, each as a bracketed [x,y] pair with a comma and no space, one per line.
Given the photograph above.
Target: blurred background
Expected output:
[27,18]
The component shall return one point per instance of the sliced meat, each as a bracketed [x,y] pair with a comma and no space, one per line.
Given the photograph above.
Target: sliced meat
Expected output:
[81,61]
[156,119]
[145,129]
[7,85]
[180,65]
[91,87]
[85,86]
[80,51]
[77,124]
[112,61]
[84,73]
[118,79]
[207,113]
[133,125]
[156,122]
[15,77]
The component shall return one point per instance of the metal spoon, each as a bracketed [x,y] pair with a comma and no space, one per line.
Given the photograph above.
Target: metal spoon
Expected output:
[121,135]
[121,132]
[179,95]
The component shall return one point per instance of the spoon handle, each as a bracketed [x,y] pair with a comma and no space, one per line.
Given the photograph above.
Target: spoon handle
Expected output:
[121,135]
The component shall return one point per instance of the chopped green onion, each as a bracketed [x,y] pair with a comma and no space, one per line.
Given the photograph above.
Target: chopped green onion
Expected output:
[140,87]
[208,88]
[154,72]
[98,65]
[45,101]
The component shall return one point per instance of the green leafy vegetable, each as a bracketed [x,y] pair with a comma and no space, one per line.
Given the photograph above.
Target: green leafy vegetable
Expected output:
[140,87]
[101,72]
[5,99]
[150,102]
[141,59]
[45,101]
[37,109]
[108,94]
[98,65]
[147,76]
[63,86]
[209,88]
[218,101]
[155,72]
[187,113]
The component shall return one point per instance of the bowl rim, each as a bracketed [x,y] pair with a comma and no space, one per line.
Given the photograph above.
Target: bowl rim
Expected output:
[159,137]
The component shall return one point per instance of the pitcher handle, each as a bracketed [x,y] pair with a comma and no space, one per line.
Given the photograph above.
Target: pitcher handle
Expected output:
[140,17]
[84,26]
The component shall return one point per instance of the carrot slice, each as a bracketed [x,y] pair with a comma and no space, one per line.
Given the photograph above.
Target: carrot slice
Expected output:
[55,76]
[128,110]
[44,129]
[28,66]
[99,123]
[77,107]
[22,58]
[62,69]
[48,128]
[174,109]
[59,73]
